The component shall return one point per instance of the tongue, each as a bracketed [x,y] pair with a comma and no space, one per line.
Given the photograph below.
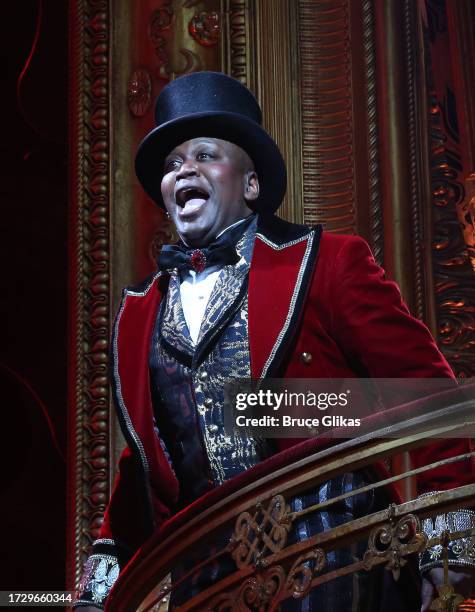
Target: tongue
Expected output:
[193,204]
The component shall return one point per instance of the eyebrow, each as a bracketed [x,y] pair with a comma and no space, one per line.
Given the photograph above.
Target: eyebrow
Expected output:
[204,142]
[193,148]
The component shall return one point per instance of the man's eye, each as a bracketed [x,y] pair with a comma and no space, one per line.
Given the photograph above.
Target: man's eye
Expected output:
[204,155]
[171,164]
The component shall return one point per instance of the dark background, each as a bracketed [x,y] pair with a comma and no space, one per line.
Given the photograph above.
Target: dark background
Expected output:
[34,302]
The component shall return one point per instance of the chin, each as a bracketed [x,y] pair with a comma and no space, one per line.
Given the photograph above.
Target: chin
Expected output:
[195,236]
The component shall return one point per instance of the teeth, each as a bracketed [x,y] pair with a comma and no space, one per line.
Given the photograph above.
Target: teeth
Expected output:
[190,193]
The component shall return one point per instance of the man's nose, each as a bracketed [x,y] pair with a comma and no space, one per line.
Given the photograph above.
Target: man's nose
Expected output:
[187,168]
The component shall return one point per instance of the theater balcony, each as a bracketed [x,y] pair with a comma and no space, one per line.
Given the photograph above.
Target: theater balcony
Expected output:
[270,535]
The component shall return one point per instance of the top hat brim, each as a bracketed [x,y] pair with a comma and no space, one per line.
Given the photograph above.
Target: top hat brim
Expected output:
[235,128]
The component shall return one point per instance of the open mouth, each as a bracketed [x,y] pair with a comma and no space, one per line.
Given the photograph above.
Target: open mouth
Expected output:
[191,196]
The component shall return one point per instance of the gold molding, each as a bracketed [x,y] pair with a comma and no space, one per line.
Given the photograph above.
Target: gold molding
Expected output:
[390,50]
[89,278]
[375,210]
[327,115]
[277,88]
[236,59]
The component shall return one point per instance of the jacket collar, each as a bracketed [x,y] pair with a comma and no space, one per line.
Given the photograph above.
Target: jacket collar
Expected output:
[282,266]
[280,234]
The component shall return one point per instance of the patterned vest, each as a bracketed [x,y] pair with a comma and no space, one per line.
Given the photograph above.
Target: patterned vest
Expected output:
[188,380]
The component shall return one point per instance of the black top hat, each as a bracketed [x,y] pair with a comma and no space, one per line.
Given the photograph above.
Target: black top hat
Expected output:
[215,105]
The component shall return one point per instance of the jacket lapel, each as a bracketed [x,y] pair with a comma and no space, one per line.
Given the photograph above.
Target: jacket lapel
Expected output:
[282,266]
[174,332]
[132,335]
[227,295]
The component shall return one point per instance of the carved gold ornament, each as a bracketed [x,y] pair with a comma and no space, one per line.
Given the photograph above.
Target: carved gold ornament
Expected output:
[139,92]
[261,532]
[392,542]
[255,593]
[299,578]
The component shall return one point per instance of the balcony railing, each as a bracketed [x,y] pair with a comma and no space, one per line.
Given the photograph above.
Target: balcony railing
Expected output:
[252,519]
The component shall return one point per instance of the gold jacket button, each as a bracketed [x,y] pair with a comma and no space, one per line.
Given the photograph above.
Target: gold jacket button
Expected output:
[213,428]
[306,358]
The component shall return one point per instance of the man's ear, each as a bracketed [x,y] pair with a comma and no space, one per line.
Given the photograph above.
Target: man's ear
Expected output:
[251,188]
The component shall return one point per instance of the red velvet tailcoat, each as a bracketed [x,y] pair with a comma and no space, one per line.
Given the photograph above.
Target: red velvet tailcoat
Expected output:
[309,291]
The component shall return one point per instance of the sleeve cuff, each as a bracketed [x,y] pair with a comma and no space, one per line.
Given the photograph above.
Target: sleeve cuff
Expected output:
[101,570]
[461,552]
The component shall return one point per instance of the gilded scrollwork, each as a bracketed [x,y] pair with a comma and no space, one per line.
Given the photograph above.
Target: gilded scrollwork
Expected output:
[90,163]
[260,532]
[255,593]
[468,215]
[181,37]
[452,229]
[160,20]
[392,542]
[299,578]
[139,92]
[184,62]
[269,585]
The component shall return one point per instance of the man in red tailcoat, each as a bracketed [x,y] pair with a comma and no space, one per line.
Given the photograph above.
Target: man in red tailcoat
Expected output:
[243,294]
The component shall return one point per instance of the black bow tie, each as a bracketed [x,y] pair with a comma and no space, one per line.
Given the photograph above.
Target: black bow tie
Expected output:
[221,252]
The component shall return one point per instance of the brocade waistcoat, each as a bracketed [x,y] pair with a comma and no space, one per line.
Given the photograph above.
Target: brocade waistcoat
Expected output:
[188,380]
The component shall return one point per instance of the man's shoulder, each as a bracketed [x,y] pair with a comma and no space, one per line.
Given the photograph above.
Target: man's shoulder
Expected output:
[143,287]
[333,243]
[281,232]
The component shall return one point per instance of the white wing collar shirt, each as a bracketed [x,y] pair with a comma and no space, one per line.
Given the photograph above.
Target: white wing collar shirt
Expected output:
[195,291]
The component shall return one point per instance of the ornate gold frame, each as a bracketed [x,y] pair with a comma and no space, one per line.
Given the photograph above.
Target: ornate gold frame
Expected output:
[312,65]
